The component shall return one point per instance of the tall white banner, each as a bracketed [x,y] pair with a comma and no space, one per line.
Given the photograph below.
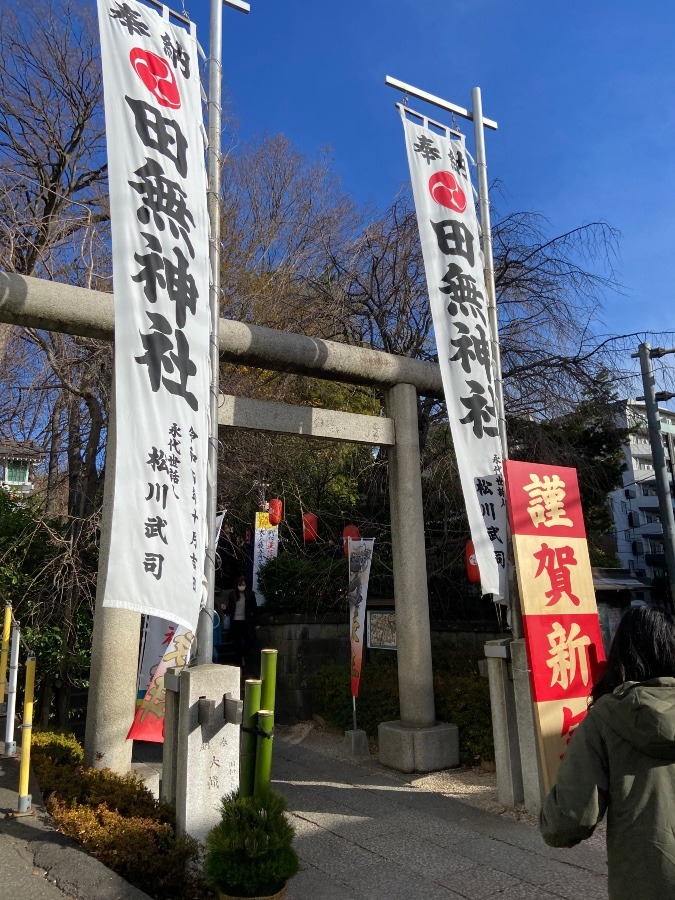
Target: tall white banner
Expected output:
[450,238]
[265,548]
[161,282]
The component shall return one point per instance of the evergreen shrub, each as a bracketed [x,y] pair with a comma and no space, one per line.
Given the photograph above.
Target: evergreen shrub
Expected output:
[250,852]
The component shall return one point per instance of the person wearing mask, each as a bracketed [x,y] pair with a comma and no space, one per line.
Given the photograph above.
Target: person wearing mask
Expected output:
[621,761]
[242,608]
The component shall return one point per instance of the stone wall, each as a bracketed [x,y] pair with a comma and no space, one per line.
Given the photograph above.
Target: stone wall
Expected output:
[306,645]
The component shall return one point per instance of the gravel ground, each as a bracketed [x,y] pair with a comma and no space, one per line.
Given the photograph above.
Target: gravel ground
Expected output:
[476,786]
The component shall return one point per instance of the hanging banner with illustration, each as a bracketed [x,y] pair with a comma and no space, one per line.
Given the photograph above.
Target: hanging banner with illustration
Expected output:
[360,556]
[159,223]
[265,547]
[446,217]
[560,615]
[148,724]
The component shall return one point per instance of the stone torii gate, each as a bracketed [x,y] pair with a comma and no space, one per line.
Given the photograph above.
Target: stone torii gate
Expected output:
[418,742]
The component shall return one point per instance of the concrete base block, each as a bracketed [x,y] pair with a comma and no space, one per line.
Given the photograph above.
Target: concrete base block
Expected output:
[418,749]
[149,775]
[356,743]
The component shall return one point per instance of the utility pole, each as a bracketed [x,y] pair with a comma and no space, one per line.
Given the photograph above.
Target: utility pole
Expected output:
[651,398]
[205,624]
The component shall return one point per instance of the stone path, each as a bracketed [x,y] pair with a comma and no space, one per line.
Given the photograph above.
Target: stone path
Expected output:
[363,832]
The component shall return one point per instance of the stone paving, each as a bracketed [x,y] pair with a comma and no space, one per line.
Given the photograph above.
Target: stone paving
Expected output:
[363,832]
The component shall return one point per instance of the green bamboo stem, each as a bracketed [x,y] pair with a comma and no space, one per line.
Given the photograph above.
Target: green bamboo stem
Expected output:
[247,754]
[268,676]
[263,756]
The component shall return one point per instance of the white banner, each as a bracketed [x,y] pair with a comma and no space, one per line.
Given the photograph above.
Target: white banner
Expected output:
[161,282]
[450,240]
[265,547]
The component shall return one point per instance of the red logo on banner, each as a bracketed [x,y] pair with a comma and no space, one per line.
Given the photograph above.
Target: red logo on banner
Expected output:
[444,189]
[156,74]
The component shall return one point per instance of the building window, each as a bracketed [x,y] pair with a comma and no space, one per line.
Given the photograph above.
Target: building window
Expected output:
[16,472]
[624,508]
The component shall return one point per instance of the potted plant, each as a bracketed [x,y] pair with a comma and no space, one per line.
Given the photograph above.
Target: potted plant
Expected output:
[250,852]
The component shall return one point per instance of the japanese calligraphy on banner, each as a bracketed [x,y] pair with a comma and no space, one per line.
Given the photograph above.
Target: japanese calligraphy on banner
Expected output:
[360,557]
[560,616]
[161,282]
[266,547]
[450,240]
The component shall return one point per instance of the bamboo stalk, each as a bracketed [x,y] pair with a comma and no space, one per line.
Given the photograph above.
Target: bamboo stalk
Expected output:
[268,676]
[263,756]
[247,755]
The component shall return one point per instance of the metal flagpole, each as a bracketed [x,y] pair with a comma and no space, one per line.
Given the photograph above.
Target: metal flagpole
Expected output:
[205,625]
[486,242]
[486,234]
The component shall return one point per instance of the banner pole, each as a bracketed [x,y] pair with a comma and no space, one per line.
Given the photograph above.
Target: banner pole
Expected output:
[205,624]
[484,209]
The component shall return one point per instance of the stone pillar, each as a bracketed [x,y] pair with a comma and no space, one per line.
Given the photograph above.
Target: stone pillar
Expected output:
[533,782]
[413,635]
[207,755]
[167,786]
[415,743]
[113,676]
[504,722]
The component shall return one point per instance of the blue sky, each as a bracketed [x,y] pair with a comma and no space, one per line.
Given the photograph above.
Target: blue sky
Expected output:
[583,93]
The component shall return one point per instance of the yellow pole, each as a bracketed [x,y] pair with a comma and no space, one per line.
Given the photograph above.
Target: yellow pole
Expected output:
[4,653]
[25,799]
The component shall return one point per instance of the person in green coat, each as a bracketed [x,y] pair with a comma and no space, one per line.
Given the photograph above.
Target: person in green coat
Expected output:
[621,761]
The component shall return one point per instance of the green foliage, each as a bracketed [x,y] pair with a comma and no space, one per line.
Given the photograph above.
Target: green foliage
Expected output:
[462,697]
[60,747]
[312,582]
[116,818]
[250,852]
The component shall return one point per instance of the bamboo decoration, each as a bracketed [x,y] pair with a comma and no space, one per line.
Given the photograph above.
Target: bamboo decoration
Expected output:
[249,722]
[268,676]
[263,756]
[25,799]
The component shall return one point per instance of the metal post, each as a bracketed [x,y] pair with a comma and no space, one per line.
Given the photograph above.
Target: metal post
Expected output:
[25,799]
[205,624]
[10,743]
[486,241]
[659,460]
[4,653]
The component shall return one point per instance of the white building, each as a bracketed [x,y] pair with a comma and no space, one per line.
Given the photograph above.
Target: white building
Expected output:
[635,507]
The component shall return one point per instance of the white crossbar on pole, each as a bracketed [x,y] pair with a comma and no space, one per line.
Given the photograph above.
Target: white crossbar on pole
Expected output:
[436,101]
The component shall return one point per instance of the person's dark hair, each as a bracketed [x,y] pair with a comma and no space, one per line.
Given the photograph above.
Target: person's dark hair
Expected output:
[643,648]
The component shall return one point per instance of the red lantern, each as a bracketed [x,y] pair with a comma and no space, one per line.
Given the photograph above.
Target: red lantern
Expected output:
[276,511]
[349,531]
[472,570]
[310,525]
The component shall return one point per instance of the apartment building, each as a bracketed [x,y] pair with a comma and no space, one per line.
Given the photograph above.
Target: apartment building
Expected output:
[635,507]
